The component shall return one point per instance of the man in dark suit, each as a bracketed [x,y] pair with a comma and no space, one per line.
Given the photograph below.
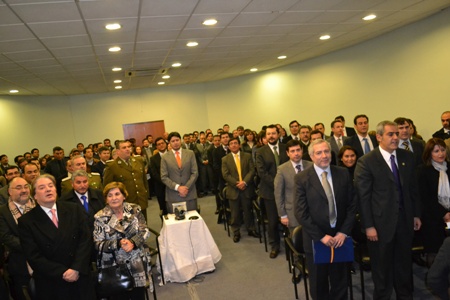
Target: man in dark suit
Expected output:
[389,206]
[362,141]
[57,167]
[347,131]
[155,173]
[444,132]
[179,173]
[57,243]
[268,158]
[131,172]
[217,154]
[325,207]
[213,179]
[294,128]
[104,155]
[405,141]
[19,204]
[285,185]
[337,139]
[91,200]
[238,171]
[11,173]
[201,155]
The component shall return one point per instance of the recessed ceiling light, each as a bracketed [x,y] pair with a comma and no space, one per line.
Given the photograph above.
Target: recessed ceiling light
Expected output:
[113,26]
[116,69]
[325,37]
[114,49]
[166,77]
[253,69]
[14,91]
[210,22]
[369,17]
[192,44]
[176,65]
[118,87]
[161,83]
[282,57]
[117,81]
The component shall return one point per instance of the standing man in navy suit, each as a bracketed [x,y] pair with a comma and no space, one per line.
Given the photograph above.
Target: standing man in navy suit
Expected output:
[57,244]
[268,158]
[444,132]
[389,206]
[325,207]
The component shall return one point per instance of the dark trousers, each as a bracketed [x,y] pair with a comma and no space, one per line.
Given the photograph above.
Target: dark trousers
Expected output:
[272,217]
[327,281]
[16,286]
[236,205]
[48,289]
[137,293]
[391,263]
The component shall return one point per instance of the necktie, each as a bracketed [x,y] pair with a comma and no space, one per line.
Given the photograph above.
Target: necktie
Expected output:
[397,179]
[406,145]
[296,138]
[54,218]
[226,149]
[177,156]
[277,158]
[238,166]
[339,143]
[85,203]
[329,193]
[299,168]
[366,146]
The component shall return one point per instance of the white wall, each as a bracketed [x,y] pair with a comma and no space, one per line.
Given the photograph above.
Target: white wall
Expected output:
[402,73]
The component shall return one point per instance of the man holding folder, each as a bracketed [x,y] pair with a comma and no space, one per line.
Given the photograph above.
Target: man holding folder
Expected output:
[325,207]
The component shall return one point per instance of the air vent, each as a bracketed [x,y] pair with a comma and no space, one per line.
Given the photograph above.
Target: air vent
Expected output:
[145,72]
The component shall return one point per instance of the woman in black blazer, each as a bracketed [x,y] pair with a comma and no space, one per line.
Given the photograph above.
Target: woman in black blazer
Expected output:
[434,189]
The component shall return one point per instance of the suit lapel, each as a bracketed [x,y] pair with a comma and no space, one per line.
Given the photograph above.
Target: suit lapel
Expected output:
[382,163]
[44,224]
[315,183]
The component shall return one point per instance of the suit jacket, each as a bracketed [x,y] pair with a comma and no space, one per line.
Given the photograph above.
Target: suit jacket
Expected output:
[285,190]
[432,212]
[311,204]
[417,148]
[99,168]
[133,177]
[231,176]
[201,153]
[171,175]
[9,236]
[267,168]
[50,251]
[57,168]
[354,142]
[334,145]
[95,199]
[441,134]
[217,154]
[4,195]
[155,173]
[377,192]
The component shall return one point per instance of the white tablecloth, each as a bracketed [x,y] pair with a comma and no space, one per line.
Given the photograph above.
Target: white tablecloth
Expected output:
[187,248]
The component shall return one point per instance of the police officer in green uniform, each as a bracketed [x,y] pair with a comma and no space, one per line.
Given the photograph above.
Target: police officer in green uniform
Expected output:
[79,163]
[131,172]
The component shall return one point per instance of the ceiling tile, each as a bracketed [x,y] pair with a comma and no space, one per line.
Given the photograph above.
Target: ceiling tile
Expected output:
[48,12]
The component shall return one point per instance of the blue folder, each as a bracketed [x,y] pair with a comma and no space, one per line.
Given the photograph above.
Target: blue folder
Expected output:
[326,255]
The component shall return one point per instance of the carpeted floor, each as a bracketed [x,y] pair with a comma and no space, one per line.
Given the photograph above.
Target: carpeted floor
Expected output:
[246,271]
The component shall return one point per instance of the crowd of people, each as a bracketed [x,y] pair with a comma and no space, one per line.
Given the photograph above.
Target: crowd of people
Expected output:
[391,180]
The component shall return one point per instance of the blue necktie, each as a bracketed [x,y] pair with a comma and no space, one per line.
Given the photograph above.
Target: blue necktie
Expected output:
[397,180]
[366,146]
[85,203]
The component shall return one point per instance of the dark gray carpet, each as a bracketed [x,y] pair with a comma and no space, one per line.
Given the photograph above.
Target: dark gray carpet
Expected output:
[246,271]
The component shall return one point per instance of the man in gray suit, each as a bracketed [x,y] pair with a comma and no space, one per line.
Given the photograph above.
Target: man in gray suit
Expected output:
[238,171]
[179,173]
[285,184]
[337,139]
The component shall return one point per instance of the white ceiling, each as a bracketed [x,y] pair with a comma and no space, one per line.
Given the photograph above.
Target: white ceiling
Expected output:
[60,47]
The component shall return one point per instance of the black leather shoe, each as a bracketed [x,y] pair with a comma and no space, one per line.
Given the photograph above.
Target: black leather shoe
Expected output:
[274,253]
[216,212]
[253,233]
[297,278]
[236,238]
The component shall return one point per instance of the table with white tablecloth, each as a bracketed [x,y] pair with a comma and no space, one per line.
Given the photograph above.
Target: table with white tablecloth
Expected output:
[187,248]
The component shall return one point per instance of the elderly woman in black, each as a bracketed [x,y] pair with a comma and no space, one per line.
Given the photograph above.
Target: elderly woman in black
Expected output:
[120,227]
[434,190]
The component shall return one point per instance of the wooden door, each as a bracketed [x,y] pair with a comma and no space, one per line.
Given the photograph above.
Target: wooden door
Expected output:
[140,130]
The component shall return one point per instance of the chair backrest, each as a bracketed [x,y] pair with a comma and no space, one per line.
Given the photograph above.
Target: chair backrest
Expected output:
[297,239]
